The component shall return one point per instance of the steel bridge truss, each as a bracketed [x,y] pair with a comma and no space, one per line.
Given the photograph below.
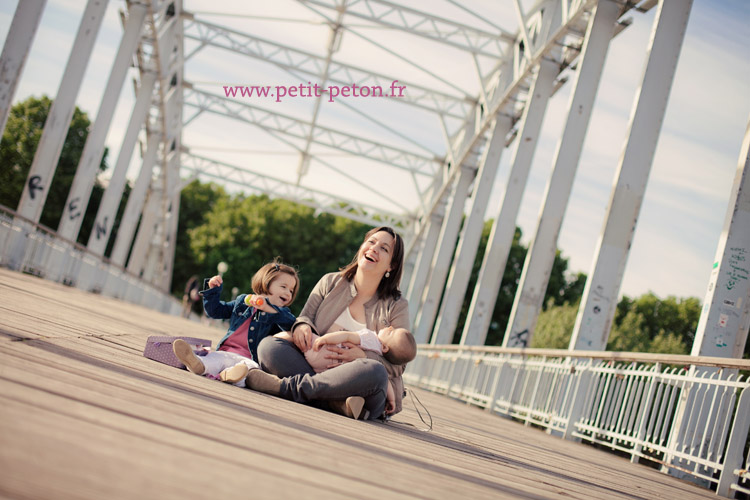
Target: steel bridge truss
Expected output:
[516,68]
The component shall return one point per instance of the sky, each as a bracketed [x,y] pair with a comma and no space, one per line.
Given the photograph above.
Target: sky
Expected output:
[686,200]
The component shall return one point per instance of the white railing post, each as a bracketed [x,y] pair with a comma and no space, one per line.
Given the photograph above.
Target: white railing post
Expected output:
[495,387]
[645,411]
[735,445]
[612,400]
[579,398]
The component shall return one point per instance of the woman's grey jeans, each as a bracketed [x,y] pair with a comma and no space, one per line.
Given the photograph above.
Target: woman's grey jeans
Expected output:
[299,382]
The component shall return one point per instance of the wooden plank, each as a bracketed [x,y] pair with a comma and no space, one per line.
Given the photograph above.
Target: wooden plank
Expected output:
[85,415]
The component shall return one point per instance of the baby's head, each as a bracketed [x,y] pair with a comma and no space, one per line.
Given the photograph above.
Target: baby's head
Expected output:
[399,346]
[278,282]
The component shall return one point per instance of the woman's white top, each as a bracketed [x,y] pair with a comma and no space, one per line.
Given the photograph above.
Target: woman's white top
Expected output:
[346,322]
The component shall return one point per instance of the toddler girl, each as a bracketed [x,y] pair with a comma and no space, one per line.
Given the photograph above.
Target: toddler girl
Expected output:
[236,353]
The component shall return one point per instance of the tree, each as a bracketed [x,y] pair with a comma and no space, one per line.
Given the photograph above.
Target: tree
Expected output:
[649,324]
[17,148]
[196,200]
[247,232]
[644,324]
[555,326]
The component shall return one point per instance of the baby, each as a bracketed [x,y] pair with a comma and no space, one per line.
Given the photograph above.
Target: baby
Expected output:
[396,345]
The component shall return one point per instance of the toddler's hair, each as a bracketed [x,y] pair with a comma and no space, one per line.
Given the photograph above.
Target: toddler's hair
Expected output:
[404,351]
[265,275]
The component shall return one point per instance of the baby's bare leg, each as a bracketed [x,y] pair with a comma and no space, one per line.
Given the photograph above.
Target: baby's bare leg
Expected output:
[285,335]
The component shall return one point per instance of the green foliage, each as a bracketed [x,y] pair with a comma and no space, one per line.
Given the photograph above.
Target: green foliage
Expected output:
[645,324]
[17,149]
[247,232]
[555,326]
[650,324]
[196,200]
[508,286]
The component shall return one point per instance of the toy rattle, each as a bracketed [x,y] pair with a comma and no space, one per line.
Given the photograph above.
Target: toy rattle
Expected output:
[254,300]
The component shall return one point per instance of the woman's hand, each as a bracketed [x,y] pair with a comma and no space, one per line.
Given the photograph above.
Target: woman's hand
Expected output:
[215,281]
[303,337]
[341,355]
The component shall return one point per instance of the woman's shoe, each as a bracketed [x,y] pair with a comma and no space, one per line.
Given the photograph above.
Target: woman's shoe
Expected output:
[258,380]
[185,354]
[234,374]
[355,408]
[352,407]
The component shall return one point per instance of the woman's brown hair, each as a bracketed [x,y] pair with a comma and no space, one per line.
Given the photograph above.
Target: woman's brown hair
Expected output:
[265,275]
[388,287]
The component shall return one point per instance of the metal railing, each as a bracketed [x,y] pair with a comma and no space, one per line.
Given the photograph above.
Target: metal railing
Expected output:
[47,255]
[689,415]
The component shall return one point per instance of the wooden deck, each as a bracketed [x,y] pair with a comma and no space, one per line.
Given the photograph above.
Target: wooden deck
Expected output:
[84,415]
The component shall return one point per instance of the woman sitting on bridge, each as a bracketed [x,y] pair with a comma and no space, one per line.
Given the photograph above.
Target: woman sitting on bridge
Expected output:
[364,294]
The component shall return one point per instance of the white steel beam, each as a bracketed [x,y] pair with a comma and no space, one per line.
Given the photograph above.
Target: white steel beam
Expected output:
[333,44]
[471,234]
[135,204]
[107,211]
[174,105]
[170,219]
[503,228]
[296,60]
[541,253]
[522,31]
[558,27]
[148,255]
[422,266]
[723,325]
[440,263]
[153,258]
[15,52]
[146,229]
[61,112]
[599,302]
[395,157]
[425,25]
[164,47]
[725,318]
[83,182]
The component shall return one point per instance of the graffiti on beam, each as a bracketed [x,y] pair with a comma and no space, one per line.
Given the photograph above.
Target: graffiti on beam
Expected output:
[35,185]
[73,211]
[737,271]
[519,339]
[101,229]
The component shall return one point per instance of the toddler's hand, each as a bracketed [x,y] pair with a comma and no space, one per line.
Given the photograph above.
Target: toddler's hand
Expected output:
[260,302]
[254,300]
[215,281]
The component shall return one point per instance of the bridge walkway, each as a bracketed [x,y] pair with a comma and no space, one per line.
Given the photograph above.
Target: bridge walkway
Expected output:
[84,415]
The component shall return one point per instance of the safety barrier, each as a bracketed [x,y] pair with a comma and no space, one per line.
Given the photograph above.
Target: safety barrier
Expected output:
[49,256]
[688,415]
